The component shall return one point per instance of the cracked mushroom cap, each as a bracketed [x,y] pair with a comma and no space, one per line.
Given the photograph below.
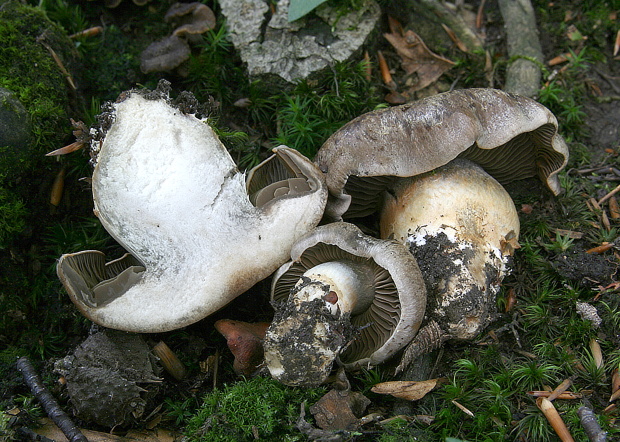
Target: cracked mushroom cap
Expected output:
[385,324]
[167,190]
[510,136]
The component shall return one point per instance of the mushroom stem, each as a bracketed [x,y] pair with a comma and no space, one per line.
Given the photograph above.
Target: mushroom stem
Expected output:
[350,286]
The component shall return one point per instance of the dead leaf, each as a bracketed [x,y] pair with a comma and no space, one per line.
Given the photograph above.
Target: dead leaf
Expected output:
[51,431]
[409,390]
[340,410]
[418,59]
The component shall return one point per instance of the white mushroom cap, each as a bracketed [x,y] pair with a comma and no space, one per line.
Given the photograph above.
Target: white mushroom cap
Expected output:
[167,190]
[302,342]
[459,223]
[510,136]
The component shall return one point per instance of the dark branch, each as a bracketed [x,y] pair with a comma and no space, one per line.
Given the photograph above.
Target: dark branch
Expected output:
[51,407]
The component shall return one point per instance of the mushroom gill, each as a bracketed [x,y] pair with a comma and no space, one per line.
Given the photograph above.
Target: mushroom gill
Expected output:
[343,296]
[510,136]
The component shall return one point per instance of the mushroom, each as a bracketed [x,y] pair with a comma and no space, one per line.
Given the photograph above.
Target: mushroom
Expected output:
[167,190]
[245,341]
[510,136]
[164,55]
[461,225]
[191,20]
[344,295]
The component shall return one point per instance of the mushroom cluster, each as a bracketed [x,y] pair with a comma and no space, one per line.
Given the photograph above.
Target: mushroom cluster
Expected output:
[432,173]
[197,232]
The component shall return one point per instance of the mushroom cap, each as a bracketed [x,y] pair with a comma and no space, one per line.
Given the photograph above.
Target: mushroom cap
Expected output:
[245,341]
[168,191]
[510,136]
[459,223]
[164,55]
[190,18]
[460,197]
[398,308]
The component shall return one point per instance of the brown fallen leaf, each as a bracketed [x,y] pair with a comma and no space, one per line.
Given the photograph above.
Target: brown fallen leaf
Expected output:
[340,410]
[409,390]
[418,59]
[51,431]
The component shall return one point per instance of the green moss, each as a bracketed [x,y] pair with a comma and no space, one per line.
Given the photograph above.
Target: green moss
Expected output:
[28,69]
[259,405]
[12,216]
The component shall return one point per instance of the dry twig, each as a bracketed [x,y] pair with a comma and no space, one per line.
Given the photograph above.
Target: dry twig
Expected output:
[51,407]
[590,425]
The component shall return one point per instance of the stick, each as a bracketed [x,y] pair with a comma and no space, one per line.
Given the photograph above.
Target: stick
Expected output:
[51,407]
[590,425]
[554,419]
[609,195]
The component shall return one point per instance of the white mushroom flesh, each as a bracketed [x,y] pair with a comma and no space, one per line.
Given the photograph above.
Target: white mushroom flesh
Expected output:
[167,190]
[351,286]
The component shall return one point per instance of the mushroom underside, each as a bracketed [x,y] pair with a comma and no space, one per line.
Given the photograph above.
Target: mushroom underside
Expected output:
[512,137]
[515,160]
[167,190]
[374,325]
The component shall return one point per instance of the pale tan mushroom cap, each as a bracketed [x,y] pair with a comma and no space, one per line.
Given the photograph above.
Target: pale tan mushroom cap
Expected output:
[167,190]
[460,224]
[510,136]
[400,300]
[459,197]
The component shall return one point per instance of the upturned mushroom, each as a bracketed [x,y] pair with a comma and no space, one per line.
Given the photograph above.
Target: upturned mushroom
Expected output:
[168,191]
[343,296]
[510,136]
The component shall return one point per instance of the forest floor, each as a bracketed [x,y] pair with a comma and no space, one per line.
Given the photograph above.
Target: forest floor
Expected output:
[568,253]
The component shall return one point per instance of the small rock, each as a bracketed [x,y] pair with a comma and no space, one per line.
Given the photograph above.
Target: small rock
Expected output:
[107,377]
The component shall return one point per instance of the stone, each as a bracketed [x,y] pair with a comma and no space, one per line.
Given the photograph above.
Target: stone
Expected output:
[271,46]
[109,377]
[15,129]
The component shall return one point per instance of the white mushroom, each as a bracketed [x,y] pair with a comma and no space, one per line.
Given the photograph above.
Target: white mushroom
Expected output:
[345,296]
[461,225]
[167,190]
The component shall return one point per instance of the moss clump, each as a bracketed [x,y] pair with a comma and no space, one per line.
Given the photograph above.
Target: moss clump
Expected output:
[12,213]
[28,69]
[258,406]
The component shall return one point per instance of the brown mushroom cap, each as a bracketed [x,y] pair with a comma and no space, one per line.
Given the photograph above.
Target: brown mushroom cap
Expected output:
[510,136]
[190,18]
[164,55]
[400,297]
